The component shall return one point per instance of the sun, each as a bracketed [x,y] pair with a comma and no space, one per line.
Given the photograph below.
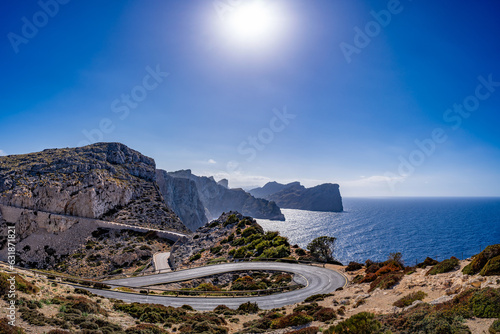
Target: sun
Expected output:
[252,23]
[251,20]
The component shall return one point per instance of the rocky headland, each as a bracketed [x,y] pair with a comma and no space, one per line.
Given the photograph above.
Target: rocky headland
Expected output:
[325,197]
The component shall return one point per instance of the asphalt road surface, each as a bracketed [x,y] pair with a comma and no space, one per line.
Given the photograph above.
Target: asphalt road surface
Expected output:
[319,281]
[161,261]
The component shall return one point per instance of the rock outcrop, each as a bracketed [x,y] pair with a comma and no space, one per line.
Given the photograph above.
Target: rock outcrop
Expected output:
[271,188]
[325,197]
[108,181]
[224,183]
[215,198]
[181,194]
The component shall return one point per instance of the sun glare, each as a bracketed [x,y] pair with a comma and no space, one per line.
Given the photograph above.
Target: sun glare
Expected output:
[252,23]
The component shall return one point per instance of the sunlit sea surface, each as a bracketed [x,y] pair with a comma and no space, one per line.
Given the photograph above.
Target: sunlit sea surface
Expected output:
[372,228]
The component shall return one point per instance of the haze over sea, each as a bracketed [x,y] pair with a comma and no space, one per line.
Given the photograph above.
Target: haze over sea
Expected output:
[372,228]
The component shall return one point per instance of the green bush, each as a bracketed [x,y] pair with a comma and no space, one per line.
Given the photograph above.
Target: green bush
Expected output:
[276,252]
[481,259]
[270,235]
[485,303]
[495,327]
[307,308]
[279,240]
[293,319]
[223,309]
[262,246]
[444,266]
[251,230]
[232,219]
[492,267]
[248,308]
[317,298]
[361,323]
[117,271]
[238,242]
[300,252]
[195,257]
[409,299]
[241,253]
[215,223]
[215,250]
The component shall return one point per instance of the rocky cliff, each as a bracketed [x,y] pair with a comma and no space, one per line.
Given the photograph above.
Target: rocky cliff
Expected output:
[108,181]
[325,197]
[216,198]
[181,194]
[270,188]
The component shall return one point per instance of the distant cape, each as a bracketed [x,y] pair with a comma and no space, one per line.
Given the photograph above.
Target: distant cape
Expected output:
[325,197]
[198,199]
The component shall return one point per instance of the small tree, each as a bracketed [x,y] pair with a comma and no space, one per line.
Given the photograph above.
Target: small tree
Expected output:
[322,248]
[397,259]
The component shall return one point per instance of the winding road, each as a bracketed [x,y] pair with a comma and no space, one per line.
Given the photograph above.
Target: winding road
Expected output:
[318,281]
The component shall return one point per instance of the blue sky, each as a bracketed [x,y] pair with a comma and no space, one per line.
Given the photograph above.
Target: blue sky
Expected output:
[311,99]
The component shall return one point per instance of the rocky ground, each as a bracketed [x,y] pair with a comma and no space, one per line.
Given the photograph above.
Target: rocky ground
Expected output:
[113,252]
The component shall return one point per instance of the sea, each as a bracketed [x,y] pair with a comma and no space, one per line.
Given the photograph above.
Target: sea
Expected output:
[372,228]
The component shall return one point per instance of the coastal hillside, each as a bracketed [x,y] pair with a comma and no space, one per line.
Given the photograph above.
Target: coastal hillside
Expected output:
[106,181]
[325,197]
[58,198]
[183,189]
[424,300]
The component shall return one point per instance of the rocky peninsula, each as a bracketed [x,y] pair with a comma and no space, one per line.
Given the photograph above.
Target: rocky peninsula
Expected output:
[325,197]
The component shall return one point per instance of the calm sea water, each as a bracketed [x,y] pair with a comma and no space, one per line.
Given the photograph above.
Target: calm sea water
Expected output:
[372,228]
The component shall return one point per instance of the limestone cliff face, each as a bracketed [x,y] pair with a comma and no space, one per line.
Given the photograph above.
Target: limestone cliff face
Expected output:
[325,197]
[181,195]
[107,180]
[217,198]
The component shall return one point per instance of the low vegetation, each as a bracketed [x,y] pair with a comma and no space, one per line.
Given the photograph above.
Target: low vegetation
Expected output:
[383,275]
[5,328]
[409,299]
[495,327]
[361,323]
[447,317]
[480,261]
[21,285]
[444,266]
